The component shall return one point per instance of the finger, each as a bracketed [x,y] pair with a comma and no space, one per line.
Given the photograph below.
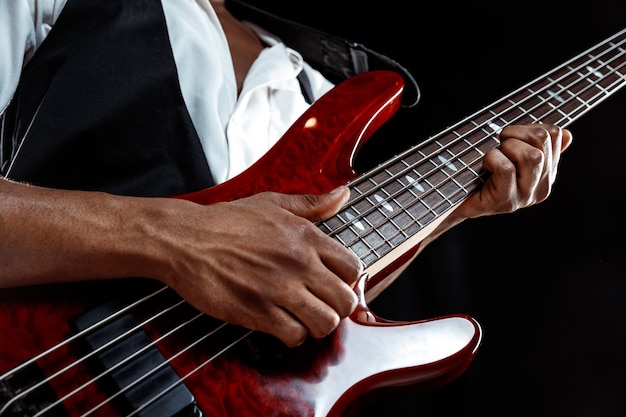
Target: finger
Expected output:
[318,317]
[561,138]
[334,255]
[314,207]
[285,326]
[529,166]
[499,191]
[536,136]
[334,279]
[551,139]
[337,294]
[340,260]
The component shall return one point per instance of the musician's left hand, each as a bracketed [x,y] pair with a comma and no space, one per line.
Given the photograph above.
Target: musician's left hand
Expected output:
[522,172]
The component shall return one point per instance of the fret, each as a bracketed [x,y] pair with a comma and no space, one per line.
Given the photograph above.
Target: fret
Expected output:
[380,217]
[527,101]
[587,79]
[408,220]
[571,90]
[486,123]
[459,131]
[586,88]
[551,101]
[612,78]
[505,113]
[365,227]
[399,198]
[421,165]
[465,147]
[374,225]
[430,149]
[493,120]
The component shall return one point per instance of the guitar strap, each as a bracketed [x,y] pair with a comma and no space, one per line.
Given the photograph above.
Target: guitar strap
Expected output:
[335,57]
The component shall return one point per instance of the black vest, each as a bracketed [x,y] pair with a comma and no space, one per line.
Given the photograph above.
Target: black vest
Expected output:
[99,106]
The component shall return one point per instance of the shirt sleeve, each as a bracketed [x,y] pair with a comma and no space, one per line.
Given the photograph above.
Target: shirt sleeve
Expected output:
[24,24]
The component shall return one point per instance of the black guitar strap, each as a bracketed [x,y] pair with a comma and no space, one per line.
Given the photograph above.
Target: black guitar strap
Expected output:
[335,57]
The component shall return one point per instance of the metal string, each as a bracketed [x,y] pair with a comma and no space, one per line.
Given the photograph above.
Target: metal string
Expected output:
[334,232]
[437,168]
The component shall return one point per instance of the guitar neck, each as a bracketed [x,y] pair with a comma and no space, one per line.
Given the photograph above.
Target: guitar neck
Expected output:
[400,198]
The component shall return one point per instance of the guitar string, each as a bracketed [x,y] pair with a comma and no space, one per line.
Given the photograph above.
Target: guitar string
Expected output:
[126,360]
[474,130]
[541,104]
[437,168]
[76,336]
[123,362]
[190,373]
[163,365]
[386,242]
[6,376]
[85,332]
[427,158]
[449,199]
[502,100]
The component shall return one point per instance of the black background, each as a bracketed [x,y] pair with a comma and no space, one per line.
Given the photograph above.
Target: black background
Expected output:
[548,283]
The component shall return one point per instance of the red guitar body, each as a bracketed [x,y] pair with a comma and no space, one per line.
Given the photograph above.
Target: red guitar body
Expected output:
[230,371]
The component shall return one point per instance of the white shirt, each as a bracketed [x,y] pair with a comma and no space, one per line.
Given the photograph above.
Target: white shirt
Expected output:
[234,130]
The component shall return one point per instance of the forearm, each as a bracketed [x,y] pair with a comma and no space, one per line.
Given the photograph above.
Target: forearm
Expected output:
[56,235]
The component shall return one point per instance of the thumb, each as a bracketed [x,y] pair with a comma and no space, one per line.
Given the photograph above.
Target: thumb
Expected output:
[315,207]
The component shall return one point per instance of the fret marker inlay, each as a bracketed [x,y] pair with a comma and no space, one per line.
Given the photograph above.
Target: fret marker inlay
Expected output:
[495,127]
[414,183]
[401,197]
[594,71]
[556,96]
[447,162]
[382,201]
[357,223]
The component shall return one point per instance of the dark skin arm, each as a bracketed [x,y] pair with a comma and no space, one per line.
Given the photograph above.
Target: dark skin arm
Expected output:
[259,262]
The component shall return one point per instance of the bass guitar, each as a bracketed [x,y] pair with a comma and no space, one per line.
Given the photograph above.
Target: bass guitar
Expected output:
[135,348]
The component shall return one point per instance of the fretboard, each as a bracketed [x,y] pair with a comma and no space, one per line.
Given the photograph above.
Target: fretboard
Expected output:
[399,198]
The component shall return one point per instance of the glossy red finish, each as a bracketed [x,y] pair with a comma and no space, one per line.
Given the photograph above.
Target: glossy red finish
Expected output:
[329,377]
[325,377]
[35,319]
[316,153]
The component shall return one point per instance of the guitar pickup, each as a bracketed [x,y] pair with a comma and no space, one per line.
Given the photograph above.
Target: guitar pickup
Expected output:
[137,375]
